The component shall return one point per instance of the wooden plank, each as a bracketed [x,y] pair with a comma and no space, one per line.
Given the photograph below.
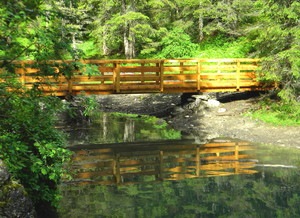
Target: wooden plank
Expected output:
[219,76]
[228,67]
[106,69]
[228,84]
[90,87]
[181,77]
[140,69]
[93,78]
[140,87]
[75,88]
[180,85]
[35,79]
[180,68]
[139,78]
[230,60]
[94,92]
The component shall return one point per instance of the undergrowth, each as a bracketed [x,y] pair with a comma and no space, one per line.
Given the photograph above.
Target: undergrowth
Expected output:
[278,113]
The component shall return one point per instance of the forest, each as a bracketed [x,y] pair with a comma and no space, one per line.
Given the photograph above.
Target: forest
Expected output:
[108,29]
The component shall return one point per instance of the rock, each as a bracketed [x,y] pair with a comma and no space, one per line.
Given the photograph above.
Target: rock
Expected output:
[213,103]
[201,97]
[4,175]
[190,99]
[177,110]
[14,201]
[222,110]
[17,203]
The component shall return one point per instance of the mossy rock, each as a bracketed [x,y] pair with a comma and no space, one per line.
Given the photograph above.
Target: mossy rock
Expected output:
[14,201]
[4,174]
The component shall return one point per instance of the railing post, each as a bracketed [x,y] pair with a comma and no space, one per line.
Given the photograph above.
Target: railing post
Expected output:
[157,74]
[102,73]
[70,86]
[143,73]
[181,72]
[198,75]
[118,80]
[161,76]
[117,77]
[238,71]
[21,73]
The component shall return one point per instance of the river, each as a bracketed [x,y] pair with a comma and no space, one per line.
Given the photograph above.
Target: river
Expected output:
[136,166]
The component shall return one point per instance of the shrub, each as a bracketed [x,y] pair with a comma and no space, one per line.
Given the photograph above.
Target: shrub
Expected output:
[30,145]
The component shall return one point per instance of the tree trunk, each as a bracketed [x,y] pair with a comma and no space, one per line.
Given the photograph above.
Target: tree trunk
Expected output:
[201,35]
[105,48]
[129,43]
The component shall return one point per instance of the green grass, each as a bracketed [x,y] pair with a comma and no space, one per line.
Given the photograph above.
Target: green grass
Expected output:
[278,113]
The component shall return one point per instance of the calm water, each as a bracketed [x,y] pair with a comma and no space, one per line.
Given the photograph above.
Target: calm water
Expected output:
[157,173]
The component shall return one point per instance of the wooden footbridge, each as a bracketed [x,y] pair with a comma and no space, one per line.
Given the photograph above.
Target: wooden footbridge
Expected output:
[141,76]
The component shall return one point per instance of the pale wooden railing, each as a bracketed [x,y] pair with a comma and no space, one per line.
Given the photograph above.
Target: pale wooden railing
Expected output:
[146,76]
[125,164]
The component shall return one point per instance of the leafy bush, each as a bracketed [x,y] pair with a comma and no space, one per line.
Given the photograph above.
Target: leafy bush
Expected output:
[222,47]
[177,44]
[30,145]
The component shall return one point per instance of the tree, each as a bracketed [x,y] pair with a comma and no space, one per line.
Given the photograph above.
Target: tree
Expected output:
[30,145]
[277,41]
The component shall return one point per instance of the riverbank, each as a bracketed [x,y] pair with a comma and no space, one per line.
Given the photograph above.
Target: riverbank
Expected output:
[205,116]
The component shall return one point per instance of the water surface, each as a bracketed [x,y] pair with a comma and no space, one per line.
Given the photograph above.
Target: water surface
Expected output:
[180,178]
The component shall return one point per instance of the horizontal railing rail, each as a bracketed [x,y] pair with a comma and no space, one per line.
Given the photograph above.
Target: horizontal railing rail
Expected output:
[143,76]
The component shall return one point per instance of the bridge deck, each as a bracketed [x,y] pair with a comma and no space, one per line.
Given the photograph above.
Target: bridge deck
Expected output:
[144,76]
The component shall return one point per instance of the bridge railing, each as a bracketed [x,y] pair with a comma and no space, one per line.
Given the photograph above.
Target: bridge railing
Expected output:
[144,76]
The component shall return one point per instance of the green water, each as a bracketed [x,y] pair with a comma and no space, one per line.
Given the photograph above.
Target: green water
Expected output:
[180,178]
[114,128]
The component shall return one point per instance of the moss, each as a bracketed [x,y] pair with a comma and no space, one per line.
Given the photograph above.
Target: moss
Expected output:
[11,186]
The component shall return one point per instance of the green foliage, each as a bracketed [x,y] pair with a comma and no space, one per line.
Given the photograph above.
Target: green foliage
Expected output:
[30,145]
[89,49]
[277,41]
[222,47]
[278,113]
[177,44]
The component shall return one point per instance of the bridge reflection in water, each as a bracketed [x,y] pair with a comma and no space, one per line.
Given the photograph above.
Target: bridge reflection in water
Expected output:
[151,162]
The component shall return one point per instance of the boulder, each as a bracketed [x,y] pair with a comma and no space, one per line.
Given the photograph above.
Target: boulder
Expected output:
[4,175]
[14,201]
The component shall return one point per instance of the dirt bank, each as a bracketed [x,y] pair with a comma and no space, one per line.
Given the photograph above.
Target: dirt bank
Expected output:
[202,116]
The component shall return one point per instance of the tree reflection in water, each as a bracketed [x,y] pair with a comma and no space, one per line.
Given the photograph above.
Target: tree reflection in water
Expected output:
[161,180]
